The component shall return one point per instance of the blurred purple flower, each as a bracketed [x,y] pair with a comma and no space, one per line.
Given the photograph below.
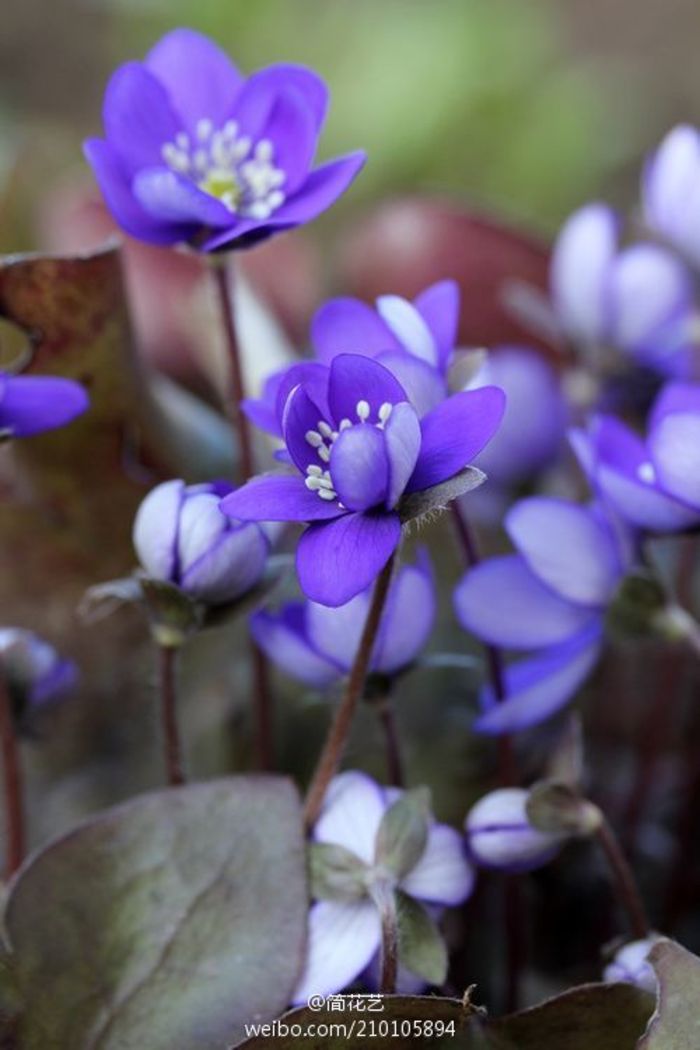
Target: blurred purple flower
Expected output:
[654,483]
[499,834]
[550,596]
[359,446]
[630,965]
[671,191]
[317,644]
[32,404]
[34,671]
[414,340]
[639,300]
[527,440]
[181,536]
[193,151]
[344,936]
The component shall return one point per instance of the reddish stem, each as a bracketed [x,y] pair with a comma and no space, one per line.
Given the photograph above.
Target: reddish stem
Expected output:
[168,709]
[12,784]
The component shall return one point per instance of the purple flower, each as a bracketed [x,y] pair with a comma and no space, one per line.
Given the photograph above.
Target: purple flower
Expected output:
[499,834]
[671,191]
[34,671]
[193,151]
[413,340]
[31,404]
[654,483]
[317,644]
[345,935]
[551,596]
[359,446]
[639,300]
[181,536]
[630,964]
[527,440]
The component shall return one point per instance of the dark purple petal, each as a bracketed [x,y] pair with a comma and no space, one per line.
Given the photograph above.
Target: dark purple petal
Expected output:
[301,418]
[581,263]
[31,404]
[540,686]
[360,467]
[349,326]
[119,198]
[172,198]
[277,497]
[291,128]
[138,118]
[409,327]
[454,433]
[675,397]
[200,78]
[322,188]
[402,434]
[313,378]
[256,100]
[354,379]
[439,306]
[568,547]
[502,602]
[338,559]
[408,618]
[425,386]
[282,637]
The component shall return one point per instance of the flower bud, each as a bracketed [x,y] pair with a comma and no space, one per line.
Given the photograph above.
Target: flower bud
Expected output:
[33,670]
[630,964]
[181,537]
[500,835]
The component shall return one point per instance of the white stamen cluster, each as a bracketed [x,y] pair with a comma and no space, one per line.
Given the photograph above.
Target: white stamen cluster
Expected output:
[227,165]
[318,477]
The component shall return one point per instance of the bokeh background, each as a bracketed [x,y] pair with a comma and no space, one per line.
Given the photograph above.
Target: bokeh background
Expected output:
[524,109]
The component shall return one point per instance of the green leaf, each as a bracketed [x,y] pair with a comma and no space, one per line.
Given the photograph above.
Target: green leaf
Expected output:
[421,946]
[435,499]
[335,873]
[676,1021]
[403,833]
[591,1017]
[168,922]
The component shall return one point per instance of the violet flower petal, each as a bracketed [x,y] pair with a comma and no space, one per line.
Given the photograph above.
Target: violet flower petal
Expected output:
[651,290]
[336,632]
[138,117]
[502,602]
[349,326]
[32,404]
[338,559]
[409,327]
[155,531]
[301,417]
[291,127]
[172,198]
[352,811]
[439,307]
[402,435]
[282,637]
[408,618]
[259,94]
[359,467]
[425,386]
[454,433]
[353,379]
[581,262]
[277,497]
[674,447]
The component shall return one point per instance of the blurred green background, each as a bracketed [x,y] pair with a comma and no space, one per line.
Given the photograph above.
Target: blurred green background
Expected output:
[529,107]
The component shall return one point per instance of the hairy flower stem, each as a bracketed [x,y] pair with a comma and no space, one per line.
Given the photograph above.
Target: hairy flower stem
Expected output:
[223,279]
[394,764]
[385,900]
[12,784]
[624,881]
[168,709]
[336,741]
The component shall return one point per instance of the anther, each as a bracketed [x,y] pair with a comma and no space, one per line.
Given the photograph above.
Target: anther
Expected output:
[384,411]
[363,410]
[324,428]
[313,438]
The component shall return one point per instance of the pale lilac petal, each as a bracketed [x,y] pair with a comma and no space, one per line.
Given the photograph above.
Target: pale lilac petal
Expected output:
[349,326]
[674,446]
[408,618]
[336,632]
[675,397]
[402,435]
[500,835]
[454,433]
[443,875]
[138,117]
[338,559]
[671,189]
[567,547]
[360,467]
[156,527]
[230,567]
[277,497]
[502,602]
[200,78]
[651,289]
[425,386]
[119,198]
[354,379]
[581,261]
[342,940]
[409,327]
[352,812]
[540,686]
[172,198]
[439,307]
[282,637]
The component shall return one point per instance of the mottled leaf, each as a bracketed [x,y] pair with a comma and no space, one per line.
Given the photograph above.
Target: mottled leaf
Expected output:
[676,1021]
[164,923]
